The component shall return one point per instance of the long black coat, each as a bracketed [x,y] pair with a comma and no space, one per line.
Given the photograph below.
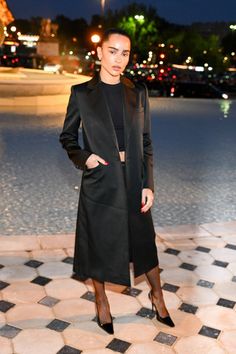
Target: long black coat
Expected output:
[109,217]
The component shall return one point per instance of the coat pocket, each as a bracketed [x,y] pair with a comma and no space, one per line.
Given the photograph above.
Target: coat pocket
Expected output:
[105,185]
[95,168]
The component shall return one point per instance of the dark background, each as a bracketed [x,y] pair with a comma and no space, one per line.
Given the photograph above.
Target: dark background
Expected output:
[177,11]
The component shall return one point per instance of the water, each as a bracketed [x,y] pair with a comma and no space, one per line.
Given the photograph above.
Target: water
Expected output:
[195,170]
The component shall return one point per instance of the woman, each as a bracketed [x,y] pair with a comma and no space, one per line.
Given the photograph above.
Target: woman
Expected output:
[114,223]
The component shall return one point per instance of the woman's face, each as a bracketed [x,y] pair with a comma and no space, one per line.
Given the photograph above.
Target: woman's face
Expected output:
[114,56]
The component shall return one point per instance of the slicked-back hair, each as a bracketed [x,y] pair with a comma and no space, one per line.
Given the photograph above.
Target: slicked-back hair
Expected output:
[107,33]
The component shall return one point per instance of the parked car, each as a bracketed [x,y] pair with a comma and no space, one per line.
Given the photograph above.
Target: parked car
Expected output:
[71,64]
[33,61]
[196,90]
[53,68]
[158,88]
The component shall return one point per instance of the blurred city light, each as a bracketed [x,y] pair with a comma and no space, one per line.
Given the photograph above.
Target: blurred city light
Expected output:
[13,28]
[225,106]
[139,18]
[29,41]
[13,49]
[95,38]
[225,96]
[28,37]
[199,68]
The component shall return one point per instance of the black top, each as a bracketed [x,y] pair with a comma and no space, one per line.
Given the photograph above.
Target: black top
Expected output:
[114,98]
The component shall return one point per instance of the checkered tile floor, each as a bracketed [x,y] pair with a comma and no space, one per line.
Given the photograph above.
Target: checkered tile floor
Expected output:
[45,310]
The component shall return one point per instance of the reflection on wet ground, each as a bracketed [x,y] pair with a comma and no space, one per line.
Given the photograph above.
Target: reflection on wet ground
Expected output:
[195,169]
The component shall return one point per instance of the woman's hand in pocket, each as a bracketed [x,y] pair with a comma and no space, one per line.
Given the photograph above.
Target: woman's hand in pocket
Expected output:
[94,160]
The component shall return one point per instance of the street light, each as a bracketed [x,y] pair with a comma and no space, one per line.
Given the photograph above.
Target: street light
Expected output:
[95,38]
[103,6]
[13,28]
[139,18]
[232,27]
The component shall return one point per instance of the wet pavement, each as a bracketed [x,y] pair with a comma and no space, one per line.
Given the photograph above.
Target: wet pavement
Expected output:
[195,161]
[195,170]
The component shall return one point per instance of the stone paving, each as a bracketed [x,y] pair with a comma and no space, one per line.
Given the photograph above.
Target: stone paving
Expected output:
[45,310]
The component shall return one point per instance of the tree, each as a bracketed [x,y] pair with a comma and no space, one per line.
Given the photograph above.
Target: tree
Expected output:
[80,31]
[71,33]
[142,32]
[193,49]
[25,26]
[229,48]
[212,53]
[229,43]
[140,22]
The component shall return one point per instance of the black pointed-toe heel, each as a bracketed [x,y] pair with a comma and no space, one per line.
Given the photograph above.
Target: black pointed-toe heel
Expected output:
[108,326]
[166,320]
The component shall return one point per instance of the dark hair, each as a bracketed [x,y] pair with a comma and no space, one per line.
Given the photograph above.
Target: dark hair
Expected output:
[107,33]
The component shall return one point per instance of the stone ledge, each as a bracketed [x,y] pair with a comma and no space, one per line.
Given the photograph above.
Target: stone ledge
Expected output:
[36,242]
[172,234]
[38,87]
[34,101]
[56,241]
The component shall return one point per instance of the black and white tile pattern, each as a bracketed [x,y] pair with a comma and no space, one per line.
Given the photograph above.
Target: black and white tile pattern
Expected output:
[198,299]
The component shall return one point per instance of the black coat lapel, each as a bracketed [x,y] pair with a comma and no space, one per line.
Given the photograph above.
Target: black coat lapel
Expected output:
[129,106]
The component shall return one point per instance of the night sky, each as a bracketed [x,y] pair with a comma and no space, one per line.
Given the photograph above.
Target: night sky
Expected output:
[176,11]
